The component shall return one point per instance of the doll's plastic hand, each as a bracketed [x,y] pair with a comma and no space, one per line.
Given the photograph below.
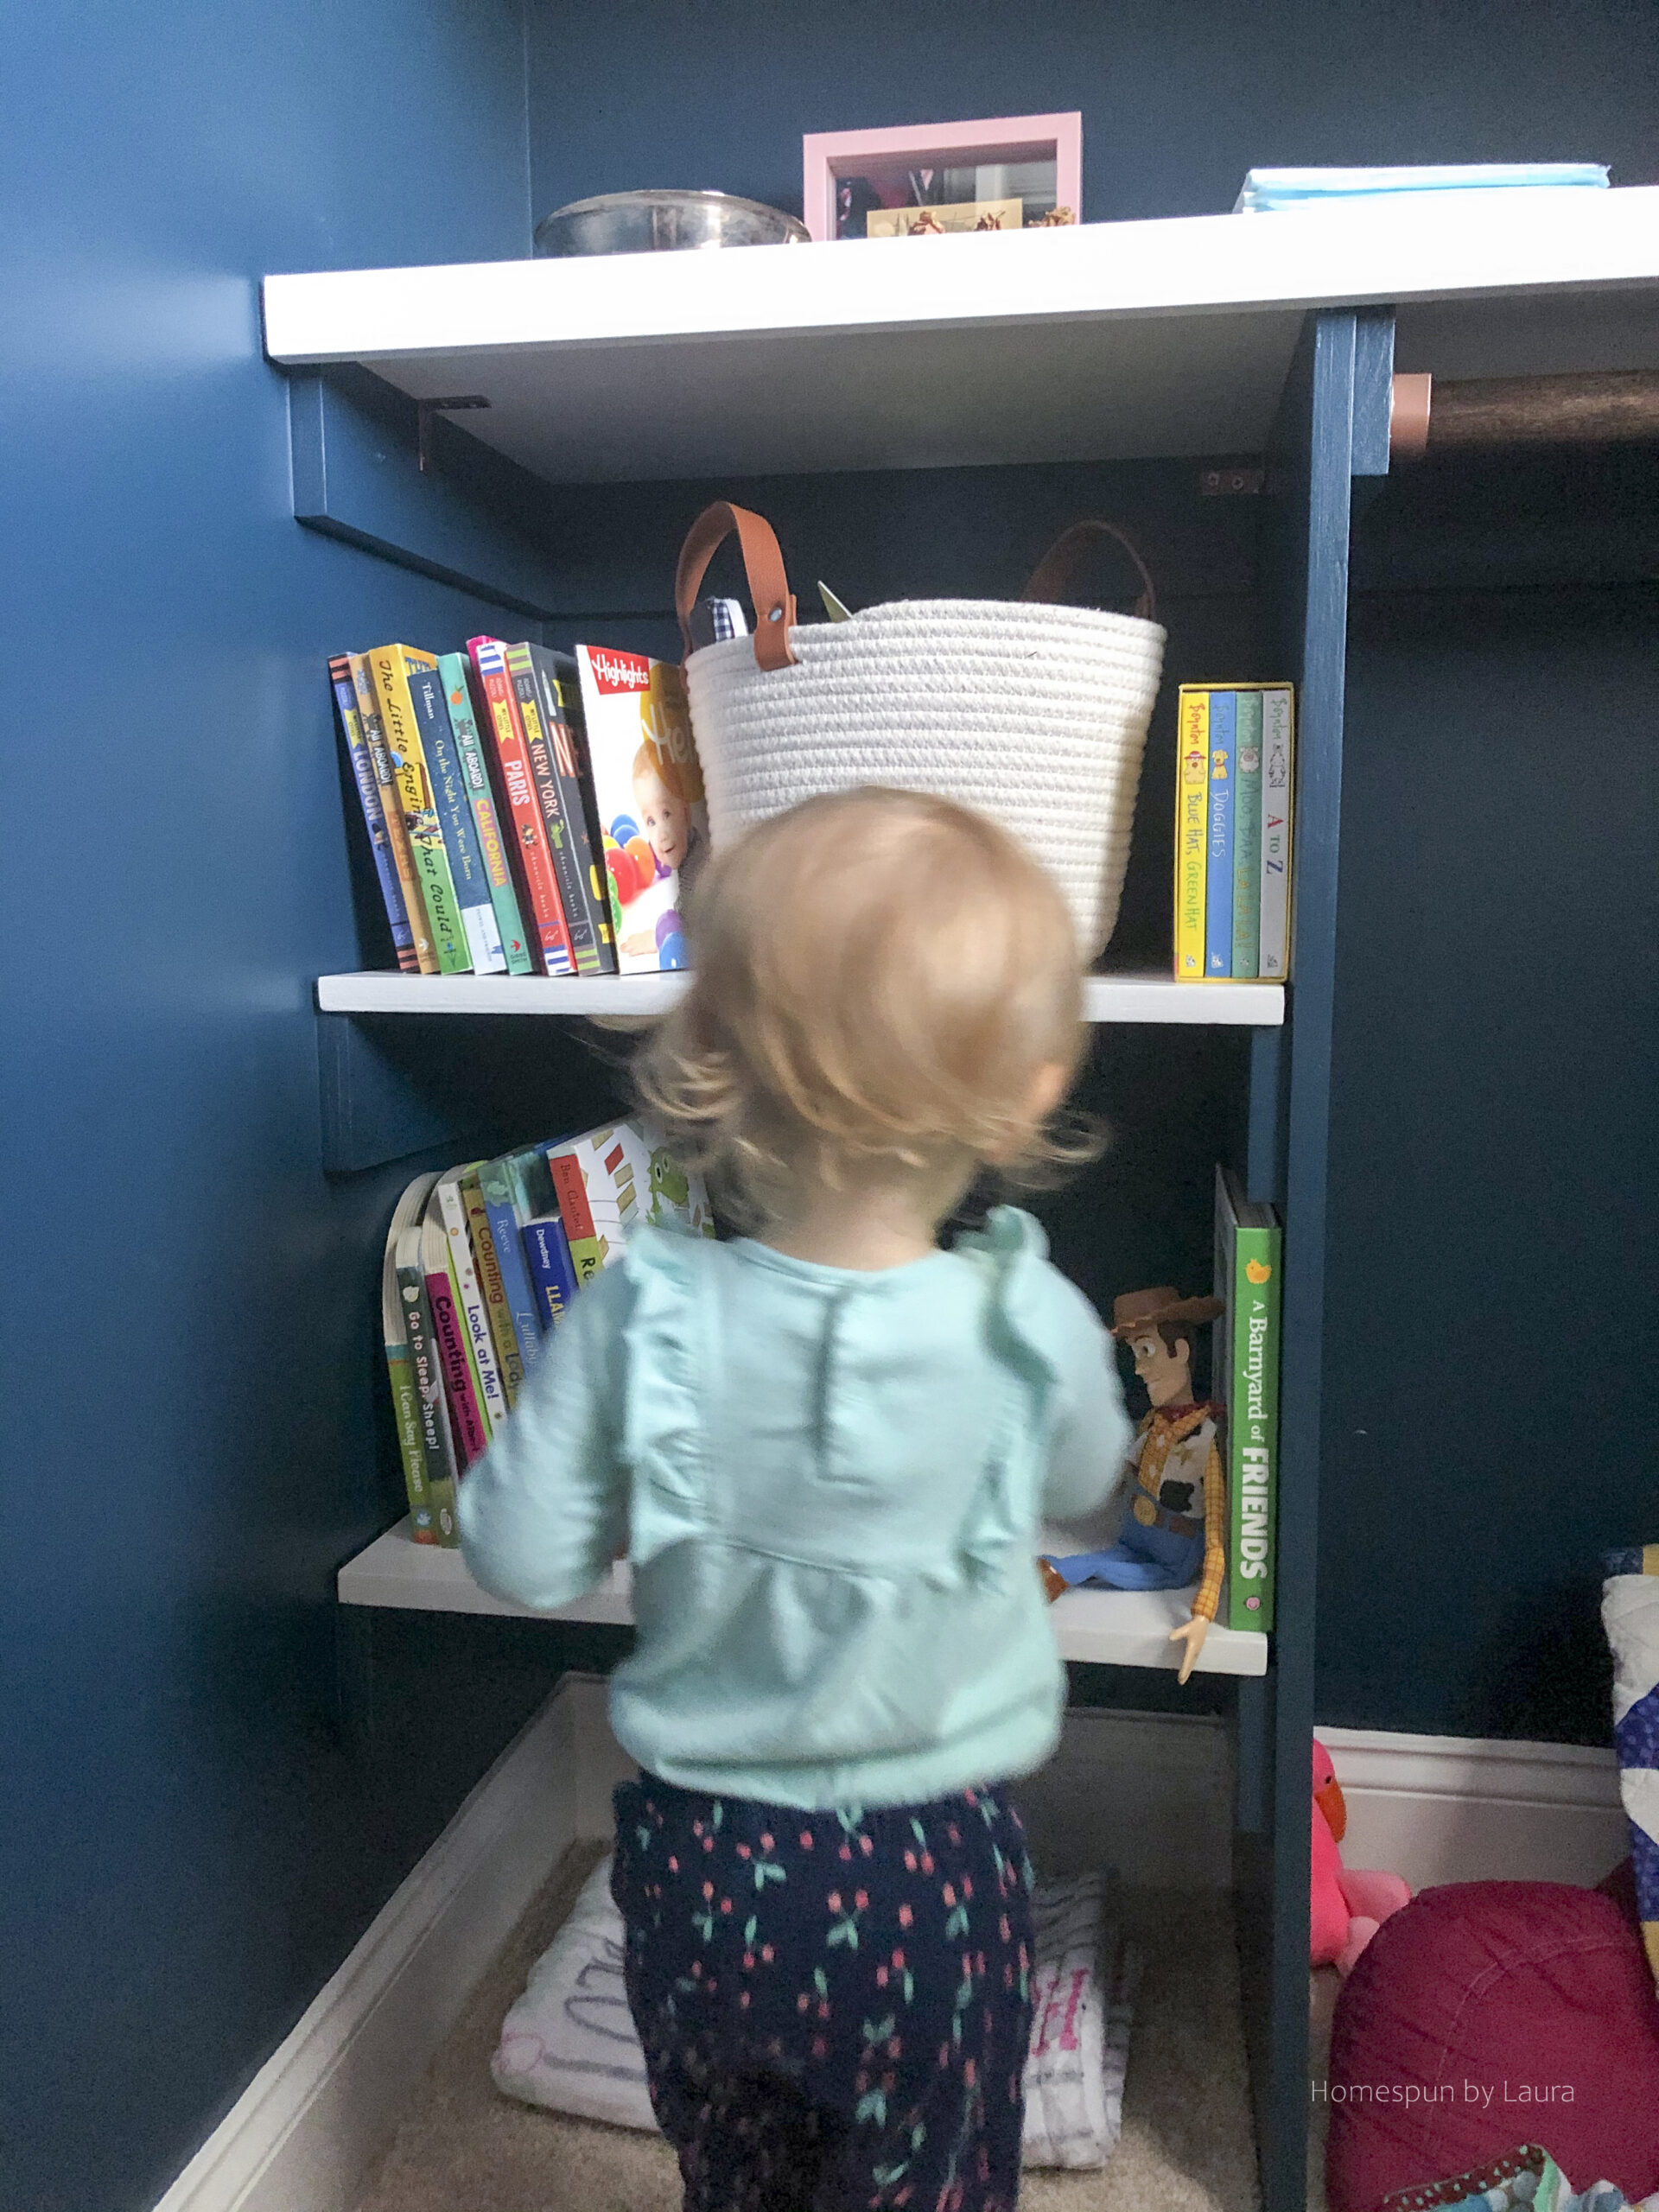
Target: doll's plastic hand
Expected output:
[1192,1633]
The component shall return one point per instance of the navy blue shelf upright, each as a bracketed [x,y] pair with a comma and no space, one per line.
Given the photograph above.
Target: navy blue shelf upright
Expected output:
[1332,428]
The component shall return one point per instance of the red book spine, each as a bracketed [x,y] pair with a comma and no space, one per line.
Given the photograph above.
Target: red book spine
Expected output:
[533,862]
[572,1194]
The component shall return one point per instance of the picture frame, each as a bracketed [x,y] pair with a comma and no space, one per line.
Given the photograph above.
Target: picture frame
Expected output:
[908,163]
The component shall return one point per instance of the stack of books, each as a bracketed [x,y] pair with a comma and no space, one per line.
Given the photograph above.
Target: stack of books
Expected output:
[1233,793]
[529,812]
[482,1262]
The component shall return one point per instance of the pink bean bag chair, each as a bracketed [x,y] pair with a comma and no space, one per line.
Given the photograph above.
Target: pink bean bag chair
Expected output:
[1489,2014]
[1349,1903]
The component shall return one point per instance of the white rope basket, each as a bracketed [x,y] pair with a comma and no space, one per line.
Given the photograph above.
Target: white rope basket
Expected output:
[1035,715]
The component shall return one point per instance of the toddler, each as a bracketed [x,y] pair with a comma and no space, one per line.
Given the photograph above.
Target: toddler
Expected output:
[827,1446]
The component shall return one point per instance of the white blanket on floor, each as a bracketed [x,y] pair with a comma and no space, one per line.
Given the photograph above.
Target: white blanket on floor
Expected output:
[568,2042]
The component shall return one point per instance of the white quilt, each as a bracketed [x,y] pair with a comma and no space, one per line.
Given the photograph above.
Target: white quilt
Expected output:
[568,2042]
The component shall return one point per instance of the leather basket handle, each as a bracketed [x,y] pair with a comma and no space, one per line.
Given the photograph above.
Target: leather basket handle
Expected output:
[763,564]
[1058,566]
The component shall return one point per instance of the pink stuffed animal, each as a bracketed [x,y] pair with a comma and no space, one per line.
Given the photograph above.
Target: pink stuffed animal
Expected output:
[1347,1904]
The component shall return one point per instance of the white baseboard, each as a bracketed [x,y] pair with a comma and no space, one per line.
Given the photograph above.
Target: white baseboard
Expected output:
[1466,1809]
[304,2132]
[1146,1793]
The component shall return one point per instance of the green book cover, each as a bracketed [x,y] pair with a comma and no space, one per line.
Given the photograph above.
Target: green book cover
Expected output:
[438,1450]
[1253,1424]
[480,796]
[1247,836]
[407,1413]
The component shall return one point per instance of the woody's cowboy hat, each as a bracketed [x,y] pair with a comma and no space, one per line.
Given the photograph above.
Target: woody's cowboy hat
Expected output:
[1145,1309]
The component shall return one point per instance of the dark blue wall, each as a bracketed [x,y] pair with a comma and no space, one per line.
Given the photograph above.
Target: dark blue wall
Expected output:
[190,1410]
[1494,1212]
[1178,98]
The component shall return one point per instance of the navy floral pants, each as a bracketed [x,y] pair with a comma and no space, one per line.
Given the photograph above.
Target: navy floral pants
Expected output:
[835,2008]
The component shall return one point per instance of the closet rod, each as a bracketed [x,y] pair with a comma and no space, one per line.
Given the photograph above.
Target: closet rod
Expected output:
[1611,406]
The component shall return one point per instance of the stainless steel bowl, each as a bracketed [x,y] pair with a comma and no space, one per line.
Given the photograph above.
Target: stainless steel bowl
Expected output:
[664,222]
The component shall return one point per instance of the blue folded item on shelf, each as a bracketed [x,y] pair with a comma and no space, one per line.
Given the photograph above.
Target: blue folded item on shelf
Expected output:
[1265,191]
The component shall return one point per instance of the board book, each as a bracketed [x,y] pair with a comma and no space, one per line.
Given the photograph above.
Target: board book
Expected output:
[1249,1256]
[609,1180]
[437,1443]
[407,1411]
[653,819]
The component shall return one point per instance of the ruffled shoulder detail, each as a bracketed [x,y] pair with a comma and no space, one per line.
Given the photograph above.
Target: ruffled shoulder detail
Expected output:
[662,1421]
[1013,1250]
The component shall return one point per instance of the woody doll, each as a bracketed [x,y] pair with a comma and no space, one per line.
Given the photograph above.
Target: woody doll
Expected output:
[1173,1533]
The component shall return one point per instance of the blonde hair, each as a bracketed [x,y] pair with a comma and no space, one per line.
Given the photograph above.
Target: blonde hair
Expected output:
[879,977]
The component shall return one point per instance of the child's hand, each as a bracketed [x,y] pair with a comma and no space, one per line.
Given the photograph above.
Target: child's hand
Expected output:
[1192,1633]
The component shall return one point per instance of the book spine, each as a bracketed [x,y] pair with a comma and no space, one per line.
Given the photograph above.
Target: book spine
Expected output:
[437,1442]
[528,845]
[570,1189]
[449,1332]
[460,845]
[475,775]
[391,810]
[1191,799]
[1247,836]
[538,744]
[551,1270]
[374,818]
[559,695]
[509,1362]
[406,1411]
[480,1345]
[1253,1423]
[1218,875]
[389,666]
[522,1305]
[1278,808]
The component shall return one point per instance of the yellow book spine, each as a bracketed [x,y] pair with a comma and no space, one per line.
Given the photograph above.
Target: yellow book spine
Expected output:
[388,667]
[1192,801]
[368,708]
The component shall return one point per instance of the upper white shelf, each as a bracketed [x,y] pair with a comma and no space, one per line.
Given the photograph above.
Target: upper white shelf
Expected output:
[1106,998]
[1107,340]
[1112,1628]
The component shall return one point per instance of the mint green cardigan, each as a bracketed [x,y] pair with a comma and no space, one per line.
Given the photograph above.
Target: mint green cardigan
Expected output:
[829,1484]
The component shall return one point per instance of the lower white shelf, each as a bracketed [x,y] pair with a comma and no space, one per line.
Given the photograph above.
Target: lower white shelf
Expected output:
[1106,998]
[1112,1628]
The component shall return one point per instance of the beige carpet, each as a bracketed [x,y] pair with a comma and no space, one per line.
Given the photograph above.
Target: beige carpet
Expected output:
[1186,2144]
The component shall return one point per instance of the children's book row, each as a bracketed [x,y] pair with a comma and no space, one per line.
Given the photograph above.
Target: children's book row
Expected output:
[529,812]
[1233,807]
[482,1262]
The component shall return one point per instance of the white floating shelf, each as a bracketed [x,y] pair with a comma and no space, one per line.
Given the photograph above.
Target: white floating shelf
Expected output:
[1105,340]
[1114,1628]
[1106,998]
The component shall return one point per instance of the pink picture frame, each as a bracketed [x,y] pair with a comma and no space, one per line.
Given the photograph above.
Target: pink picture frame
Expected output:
[827,155]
